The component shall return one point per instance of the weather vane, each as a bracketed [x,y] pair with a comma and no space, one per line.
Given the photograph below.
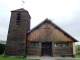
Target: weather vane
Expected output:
[22,3]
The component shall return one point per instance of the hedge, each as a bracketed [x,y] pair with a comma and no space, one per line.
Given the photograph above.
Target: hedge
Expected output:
[2,48]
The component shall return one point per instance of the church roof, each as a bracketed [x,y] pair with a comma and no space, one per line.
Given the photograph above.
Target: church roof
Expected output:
[21,9]
[47,20]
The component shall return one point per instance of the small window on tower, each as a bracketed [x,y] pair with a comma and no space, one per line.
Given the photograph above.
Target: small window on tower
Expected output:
[18,18]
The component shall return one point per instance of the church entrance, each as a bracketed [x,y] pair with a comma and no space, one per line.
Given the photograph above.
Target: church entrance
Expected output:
[46,49]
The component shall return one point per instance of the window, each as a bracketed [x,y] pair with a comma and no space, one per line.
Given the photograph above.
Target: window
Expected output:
[34,44]
[56,44]
[67,44]
[18,18]
[62,44]
[37,44]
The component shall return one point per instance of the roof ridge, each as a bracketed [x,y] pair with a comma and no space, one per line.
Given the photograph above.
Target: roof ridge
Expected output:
[20,9]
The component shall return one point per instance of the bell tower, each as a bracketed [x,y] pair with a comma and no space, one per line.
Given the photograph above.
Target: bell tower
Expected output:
[18,28]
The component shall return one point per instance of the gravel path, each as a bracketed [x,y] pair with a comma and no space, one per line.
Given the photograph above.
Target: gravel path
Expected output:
[51,58]
[41,58]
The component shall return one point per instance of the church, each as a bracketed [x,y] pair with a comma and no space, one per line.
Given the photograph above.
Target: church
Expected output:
[45,39]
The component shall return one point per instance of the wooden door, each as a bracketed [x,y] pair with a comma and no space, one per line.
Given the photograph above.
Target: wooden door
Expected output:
[46,49]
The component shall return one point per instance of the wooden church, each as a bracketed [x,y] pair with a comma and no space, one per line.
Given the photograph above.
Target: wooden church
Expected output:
[45,39]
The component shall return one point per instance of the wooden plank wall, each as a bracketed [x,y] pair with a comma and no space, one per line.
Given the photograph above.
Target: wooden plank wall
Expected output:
[58,51]
[48,33]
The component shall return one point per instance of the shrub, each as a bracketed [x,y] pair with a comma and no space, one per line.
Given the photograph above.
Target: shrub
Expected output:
[2,48]
[78,49]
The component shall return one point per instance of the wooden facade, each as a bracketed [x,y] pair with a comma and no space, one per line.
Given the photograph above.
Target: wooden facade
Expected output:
[47,34]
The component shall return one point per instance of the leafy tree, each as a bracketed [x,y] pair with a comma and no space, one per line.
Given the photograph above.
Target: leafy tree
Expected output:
[78,49]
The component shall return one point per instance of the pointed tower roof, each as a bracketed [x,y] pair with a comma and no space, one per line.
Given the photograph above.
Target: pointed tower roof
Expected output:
[21,9]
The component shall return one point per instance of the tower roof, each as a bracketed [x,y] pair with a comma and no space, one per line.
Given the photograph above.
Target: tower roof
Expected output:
[21,9]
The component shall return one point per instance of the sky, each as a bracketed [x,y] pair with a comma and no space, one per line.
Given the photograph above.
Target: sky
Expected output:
[64,13]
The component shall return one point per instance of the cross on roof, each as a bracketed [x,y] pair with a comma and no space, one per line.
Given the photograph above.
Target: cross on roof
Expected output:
[46,27]
[22,3]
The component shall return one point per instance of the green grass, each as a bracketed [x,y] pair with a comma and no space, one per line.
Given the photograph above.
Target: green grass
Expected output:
[66,58]
[77,56]
[2,57]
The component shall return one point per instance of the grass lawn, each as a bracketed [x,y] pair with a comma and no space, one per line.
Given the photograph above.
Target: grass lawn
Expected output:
[66,58]
[77,56]
[2,57]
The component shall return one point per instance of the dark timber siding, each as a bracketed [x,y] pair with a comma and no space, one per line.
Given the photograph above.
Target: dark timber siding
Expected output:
[16,40]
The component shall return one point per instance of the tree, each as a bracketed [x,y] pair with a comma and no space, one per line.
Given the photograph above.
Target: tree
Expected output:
[78,49]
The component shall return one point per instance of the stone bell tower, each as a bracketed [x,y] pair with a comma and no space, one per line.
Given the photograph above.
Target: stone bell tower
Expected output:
[18,28]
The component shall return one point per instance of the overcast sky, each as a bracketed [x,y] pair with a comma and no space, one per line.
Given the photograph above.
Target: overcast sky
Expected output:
[64,13]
